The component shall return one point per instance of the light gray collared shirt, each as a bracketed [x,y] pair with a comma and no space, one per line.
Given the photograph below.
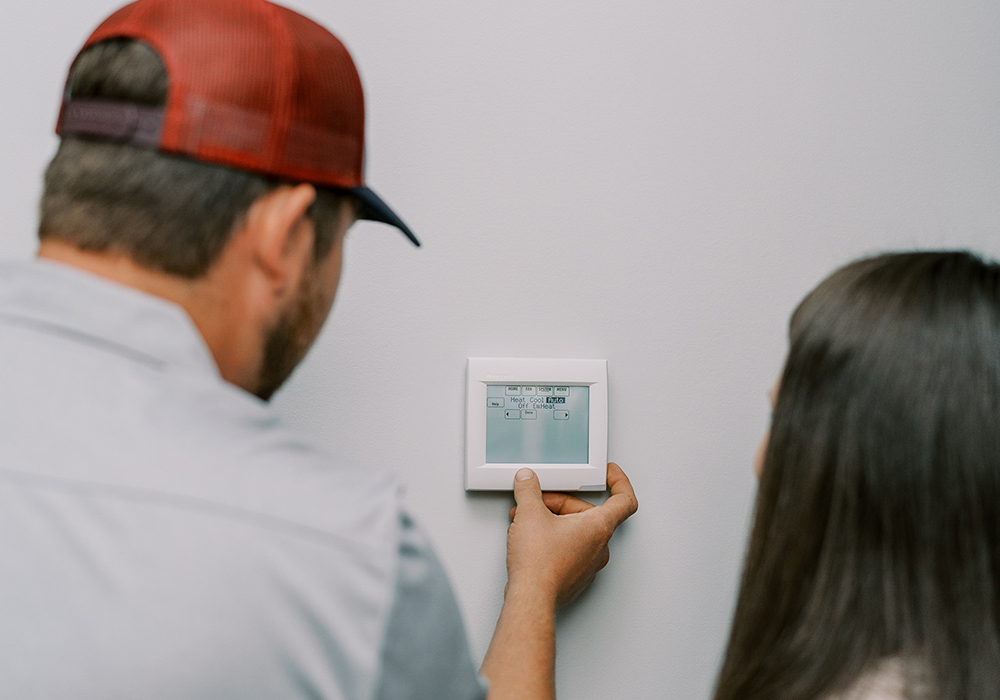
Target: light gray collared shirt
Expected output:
[163,536]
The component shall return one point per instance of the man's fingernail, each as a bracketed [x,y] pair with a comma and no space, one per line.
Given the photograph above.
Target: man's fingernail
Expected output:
[523,474]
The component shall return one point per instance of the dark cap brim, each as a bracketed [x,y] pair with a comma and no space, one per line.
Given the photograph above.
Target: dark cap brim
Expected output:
[374,209]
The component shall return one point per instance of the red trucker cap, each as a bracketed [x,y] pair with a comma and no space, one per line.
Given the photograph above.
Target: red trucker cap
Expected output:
[251,85]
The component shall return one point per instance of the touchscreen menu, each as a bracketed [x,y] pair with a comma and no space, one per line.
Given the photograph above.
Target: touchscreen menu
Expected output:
[537,424]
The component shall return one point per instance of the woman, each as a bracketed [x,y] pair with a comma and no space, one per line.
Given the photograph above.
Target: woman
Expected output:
[873,568]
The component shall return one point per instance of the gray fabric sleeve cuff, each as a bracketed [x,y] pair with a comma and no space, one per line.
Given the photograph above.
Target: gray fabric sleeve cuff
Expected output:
[426,651]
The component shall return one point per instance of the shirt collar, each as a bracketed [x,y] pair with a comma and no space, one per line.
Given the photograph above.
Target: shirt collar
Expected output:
[67,300]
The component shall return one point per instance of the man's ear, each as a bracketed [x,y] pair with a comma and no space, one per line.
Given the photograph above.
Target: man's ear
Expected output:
[280,234]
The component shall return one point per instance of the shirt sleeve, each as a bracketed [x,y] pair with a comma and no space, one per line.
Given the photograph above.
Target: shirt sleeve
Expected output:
[426,652]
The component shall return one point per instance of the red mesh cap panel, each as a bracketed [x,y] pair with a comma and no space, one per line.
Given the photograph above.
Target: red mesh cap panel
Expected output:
[326,135]
[253,86]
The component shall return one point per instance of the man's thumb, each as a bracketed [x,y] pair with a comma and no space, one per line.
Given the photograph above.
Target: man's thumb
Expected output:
[526,487]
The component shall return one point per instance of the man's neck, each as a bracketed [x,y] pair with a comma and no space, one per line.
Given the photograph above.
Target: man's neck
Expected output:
[209,300]
[120,268]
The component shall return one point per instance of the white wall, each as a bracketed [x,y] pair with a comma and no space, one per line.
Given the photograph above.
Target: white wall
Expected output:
[655,183]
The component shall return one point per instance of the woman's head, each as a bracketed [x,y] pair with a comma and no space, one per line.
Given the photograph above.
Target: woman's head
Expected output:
[877,526]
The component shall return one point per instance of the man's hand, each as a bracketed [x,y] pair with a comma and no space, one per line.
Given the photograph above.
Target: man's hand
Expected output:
[557,543]
[555,547]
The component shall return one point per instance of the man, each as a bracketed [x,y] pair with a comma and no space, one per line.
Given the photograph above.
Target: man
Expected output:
[161,535]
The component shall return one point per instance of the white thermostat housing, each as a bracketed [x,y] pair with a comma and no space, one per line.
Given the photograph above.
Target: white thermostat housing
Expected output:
[545,414]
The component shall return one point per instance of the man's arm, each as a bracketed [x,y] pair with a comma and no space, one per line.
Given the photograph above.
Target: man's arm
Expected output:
[556,544]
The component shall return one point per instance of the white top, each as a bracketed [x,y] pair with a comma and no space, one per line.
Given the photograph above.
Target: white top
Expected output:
[886,681]
[163,536]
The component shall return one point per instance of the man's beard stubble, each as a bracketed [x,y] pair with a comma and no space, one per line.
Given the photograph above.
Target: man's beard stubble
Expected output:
[292,336]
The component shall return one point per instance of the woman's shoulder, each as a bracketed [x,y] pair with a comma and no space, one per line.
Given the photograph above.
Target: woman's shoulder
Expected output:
[891,679]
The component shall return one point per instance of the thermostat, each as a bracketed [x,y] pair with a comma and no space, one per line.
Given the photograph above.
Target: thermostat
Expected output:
[545,414]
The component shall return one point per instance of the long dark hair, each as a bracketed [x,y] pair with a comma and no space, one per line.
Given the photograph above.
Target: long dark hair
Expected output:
[876,530]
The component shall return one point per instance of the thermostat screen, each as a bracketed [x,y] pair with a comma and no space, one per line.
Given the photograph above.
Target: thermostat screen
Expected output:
[537,424]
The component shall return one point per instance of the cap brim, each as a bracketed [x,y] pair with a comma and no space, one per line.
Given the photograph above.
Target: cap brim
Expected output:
[374,209]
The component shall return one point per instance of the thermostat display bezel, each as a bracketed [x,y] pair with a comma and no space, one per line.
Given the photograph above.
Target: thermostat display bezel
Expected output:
[484,371]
